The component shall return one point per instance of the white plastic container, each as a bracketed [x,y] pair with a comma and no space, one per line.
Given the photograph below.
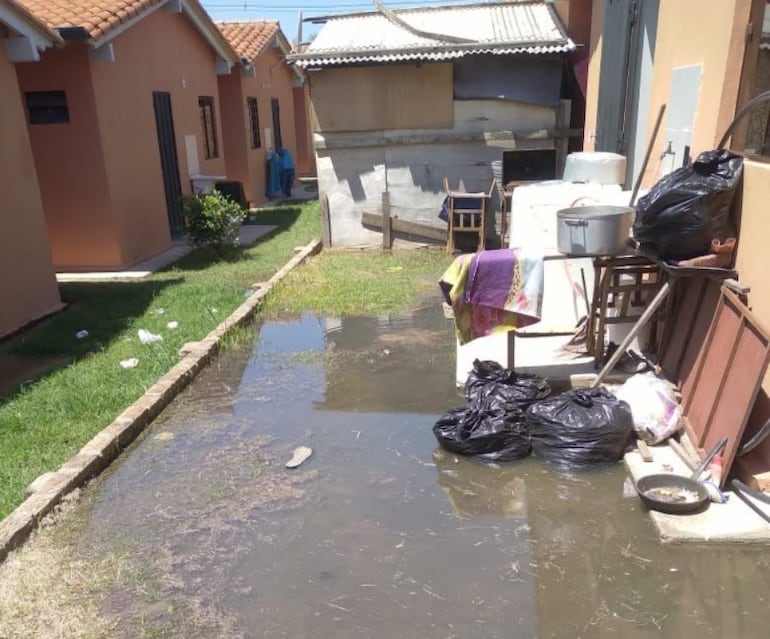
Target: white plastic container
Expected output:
[598,167]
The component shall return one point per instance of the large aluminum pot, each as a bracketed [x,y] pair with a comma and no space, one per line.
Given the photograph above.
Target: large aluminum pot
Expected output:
[600,229]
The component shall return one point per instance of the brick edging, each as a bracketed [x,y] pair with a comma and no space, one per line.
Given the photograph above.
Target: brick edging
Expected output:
[102,449]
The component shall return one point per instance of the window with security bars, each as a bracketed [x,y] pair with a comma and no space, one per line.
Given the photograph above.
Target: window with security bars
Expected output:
[254,138]
[47,107]
[206,108]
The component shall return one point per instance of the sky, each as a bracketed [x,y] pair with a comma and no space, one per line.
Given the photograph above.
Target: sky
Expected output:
[287,11]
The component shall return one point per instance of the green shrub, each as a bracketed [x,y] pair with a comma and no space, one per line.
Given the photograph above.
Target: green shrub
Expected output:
[213,220]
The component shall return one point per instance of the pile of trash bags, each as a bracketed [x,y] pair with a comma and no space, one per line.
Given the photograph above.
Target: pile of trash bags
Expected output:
[688,209]
[492,425]
[581,428]
[509,416]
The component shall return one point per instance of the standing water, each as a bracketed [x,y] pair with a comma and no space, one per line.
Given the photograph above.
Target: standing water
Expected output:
[380,534]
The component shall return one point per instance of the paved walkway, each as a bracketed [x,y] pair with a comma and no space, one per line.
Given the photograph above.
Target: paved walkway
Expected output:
[250,234]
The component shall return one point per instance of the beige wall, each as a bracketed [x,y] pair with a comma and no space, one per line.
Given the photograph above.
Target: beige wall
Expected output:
[163,52]
[753,265]
[594,69]
[81,223]
[27,285]
[718,44]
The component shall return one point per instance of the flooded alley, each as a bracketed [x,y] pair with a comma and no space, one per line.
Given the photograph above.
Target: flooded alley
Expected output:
[379,534]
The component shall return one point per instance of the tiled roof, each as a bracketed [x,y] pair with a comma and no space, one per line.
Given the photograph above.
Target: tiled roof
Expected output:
[249,39]
[97,17]
[32,20]
[437,33]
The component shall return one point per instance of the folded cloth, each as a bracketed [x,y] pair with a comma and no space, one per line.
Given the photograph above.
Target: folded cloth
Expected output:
[493,292]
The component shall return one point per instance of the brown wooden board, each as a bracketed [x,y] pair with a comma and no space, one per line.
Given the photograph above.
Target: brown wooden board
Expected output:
[688,321]
[724,382]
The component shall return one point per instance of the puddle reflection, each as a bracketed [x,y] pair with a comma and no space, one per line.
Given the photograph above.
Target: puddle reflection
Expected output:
[384,535]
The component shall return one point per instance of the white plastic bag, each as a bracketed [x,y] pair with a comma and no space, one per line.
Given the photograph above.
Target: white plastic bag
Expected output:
[656,413]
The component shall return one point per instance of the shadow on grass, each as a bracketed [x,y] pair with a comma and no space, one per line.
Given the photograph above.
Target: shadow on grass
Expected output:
[104,309]
[283,216]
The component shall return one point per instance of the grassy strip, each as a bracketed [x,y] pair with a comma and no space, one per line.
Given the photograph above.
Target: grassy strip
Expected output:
[355,283]
[45,423]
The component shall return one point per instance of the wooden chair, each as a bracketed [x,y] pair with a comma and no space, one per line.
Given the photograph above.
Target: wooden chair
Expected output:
[467,214]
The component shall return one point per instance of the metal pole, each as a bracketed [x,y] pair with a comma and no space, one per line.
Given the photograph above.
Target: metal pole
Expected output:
[640,324]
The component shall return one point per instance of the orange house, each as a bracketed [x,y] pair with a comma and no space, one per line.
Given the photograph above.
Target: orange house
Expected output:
[124,119]
[258,105]
[27,281]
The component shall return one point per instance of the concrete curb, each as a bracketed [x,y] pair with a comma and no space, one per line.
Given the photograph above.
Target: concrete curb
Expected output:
[97,454]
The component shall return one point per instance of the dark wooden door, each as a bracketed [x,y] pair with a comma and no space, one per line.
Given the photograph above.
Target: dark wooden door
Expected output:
[164,122]
[277,123]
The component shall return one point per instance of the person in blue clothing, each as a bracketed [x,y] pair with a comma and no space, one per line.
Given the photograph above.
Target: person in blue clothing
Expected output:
[287,171]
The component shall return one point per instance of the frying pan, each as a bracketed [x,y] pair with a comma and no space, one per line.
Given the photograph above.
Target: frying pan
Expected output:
[676,482]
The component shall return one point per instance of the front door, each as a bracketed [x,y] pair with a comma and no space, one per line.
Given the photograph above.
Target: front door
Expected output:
[164,122]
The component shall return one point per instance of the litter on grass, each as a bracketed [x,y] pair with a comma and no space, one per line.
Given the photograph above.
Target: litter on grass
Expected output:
[172,325]
[148,338]
[131,362]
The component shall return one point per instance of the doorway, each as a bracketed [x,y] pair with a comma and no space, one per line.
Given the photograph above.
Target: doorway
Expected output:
[172,187]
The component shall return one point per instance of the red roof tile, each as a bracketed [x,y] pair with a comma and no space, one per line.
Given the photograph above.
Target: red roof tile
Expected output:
[97,17]
[249,39]
[33,20]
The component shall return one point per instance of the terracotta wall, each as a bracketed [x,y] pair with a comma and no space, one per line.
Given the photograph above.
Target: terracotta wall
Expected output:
[82,227]
[235,131]
[163,52]
[273,80]
[27,285]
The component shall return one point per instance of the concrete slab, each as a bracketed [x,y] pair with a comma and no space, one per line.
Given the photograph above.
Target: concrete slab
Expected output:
[250,233]
[540,355]
[731,522]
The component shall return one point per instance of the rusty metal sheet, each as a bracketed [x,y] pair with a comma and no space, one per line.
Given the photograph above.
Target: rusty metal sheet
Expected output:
[726,378]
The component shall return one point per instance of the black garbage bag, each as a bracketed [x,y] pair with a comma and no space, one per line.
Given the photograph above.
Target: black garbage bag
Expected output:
[580,428]
[492,430]
[488,378]
[690,207]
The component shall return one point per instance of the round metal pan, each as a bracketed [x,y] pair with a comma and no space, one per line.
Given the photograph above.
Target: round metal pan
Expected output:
[673,482]
[677,482]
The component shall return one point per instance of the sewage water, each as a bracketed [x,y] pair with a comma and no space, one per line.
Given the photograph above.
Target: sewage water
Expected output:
[381,534]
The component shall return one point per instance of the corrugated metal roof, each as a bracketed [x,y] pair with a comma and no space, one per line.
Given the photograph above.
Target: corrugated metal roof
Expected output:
[434,33]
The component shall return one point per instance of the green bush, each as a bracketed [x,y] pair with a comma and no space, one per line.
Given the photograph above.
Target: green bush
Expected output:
[213,220]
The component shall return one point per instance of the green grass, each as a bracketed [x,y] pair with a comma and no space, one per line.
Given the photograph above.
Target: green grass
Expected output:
[356,283]
[44,423]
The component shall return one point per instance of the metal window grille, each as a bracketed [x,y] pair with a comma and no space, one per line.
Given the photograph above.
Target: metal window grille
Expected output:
[206,107]
[254,137]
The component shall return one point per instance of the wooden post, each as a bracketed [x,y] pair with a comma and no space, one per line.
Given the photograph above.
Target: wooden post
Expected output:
[326,222]
[561,143]
[387,239]
[511,355]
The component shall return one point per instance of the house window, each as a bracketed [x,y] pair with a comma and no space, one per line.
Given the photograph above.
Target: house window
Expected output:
[47,107]
[256,142]
[206,108]
[276,123]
